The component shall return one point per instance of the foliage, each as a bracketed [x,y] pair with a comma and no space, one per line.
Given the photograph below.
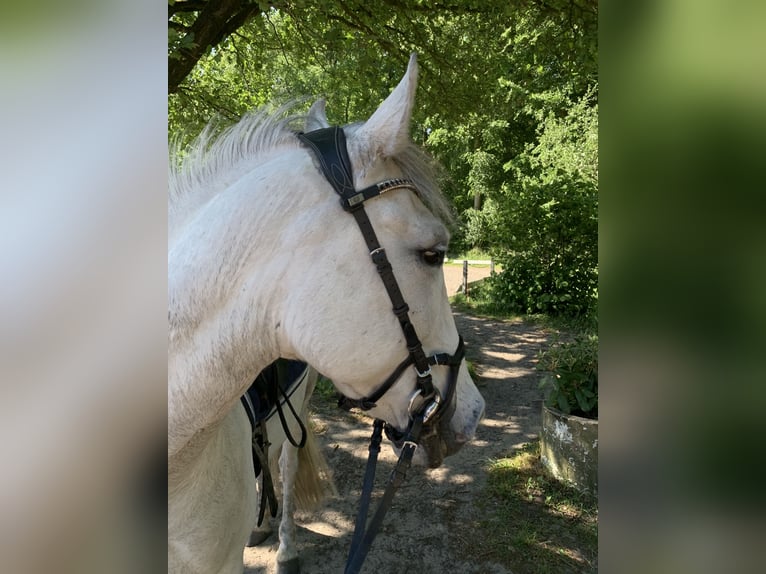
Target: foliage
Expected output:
[481,302]
[572,375]
[533,523]
[507,103]
[325,389]
[549,219]
[474,253]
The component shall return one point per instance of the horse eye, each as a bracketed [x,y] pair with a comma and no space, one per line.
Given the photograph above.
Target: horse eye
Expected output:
[432,257]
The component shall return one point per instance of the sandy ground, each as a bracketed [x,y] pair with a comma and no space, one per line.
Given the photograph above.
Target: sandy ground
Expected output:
[422,531]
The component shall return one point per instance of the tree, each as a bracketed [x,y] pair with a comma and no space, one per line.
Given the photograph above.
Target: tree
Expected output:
[498,78]
[190,37]
[549,219]
[196,27]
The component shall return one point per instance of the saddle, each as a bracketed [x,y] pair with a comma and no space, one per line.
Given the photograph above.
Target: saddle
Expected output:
[270,392]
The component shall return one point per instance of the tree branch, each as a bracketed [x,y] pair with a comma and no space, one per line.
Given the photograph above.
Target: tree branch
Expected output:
[216,20]
[177,26]
[186,6]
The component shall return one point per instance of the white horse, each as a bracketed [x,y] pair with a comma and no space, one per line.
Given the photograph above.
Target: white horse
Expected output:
[263,263]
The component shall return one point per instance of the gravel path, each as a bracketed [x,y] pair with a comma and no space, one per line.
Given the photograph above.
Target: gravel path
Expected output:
[422,531]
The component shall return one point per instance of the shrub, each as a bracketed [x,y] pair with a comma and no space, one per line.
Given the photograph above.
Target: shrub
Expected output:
[561,286]
[543,229]
[572,377]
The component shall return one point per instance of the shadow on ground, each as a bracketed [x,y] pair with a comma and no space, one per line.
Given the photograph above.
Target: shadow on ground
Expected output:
[422,531]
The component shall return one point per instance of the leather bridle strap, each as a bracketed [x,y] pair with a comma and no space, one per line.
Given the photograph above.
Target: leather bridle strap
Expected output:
[370,402]
[363,537]
[369,482]
[274,391]
[329,146]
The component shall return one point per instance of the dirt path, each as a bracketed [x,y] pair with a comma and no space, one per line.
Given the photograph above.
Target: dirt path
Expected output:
[422,531]
[453,276]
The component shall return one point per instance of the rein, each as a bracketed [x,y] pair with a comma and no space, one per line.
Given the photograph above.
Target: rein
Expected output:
[426,405]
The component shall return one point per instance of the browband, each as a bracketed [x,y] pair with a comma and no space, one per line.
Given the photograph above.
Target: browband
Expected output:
[329,146]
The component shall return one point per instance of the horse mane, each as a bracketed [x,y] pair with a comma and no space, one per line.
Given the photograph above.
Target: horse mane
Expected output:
[204,168]
[217,155]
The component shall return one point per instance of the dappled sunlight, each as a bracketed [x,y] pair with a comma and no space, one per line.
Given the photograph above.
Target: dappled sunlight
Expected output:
[500,374]
[429,501]
[446,474]
[478,443]
[509,357]
[332,523]
[505,425]
[460,479]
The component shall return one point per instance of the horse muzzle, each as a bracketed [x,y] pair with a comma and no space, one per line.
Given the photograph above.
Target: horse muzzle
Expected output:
[437,438]
[435,444]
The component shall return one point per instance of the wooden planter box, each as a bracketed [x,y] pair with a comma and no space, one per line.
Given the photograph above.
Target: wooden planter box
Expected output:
[569,449]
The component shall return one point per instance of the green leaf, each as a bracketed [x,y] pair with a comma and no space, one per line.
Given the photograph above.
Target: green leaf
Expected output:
[584,404]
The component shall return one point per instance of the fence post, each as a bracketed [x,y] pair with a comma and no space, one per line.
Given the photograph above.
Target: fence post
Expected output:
[491,266]
[465,278]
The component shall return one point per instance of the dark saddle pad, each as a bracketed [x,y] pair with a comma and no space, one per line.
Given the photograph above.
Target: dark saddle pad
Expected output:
[282,374]
[270,390]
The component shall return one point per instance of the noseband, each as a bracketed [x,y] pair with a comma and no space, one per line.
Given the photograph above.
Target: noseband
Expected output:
[426,405]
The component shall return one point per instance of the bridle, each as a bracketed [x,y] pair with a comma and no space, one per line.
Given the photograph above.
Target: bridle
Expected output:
[427,408]
[426,403]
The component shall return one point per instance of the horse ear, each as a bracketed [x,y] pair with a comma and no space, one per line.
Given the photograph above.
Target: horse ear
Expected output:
[316,118]
[388,129]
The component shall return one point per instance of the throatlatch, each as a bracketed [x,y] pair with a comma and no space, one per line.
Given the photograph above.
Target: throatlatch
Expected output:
[426,405]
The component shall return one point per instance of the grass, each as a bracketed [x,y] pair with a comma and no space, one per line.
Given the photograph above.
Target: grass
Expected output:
[479,306]
[532,524]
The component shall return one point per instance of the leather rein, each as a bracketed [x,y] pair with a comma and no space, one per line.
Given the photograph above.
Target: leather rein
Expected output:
[426,406]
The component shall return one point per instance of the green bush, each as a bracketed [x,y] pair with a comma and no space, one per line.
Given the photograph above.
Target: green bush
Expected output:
[543,227]
[572,376]
[528,284]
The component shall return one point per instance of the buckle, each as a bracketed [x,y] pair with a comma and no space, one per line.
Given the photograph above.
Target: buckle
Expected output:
[407,443]
[355,199]
[430,407]
[427,372]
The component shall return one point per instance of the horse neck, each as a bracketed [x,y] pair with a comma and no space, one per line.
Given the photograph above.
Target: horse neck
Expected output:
[224,271]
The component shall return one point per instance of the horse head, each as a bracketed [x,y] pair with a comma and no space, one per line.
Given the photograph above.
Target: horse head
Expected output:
[337,313]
